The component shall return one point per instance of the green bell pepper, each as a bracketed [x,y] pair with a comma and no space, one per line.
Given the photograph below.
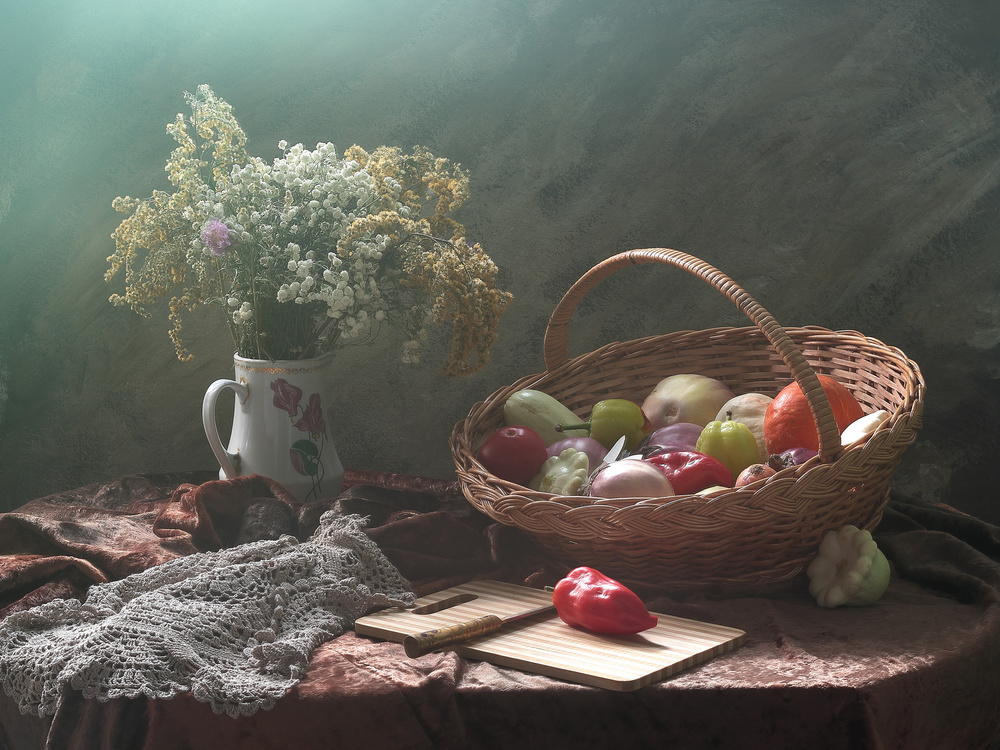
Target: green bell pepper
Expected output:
[612,418]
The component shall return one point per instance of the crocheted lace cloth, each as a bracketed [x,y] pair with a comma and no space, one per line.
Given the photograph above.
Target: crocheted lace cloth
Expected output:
[234,627]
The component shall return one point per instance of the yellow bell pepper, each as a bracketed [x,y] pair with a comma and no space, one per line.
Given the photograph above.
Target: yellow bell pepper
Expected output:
[731,442]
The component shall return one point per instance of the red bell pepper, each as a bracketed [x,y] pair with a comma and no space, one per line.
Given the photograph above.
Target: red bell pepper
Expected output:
[588,599]
[690,471]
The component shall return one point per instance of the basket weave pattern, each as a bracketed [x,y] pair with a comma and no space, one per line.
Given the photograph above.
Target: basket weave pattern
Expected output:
[759,534]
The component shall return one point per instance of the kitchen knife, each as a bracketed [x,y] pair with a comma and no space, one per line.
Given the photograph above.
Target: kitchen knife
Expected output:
[429,640]
[616,451]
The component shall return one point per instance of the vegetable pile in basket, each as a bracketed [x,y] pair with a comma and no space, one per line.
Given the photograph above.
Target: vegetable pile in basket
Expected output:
[690,436]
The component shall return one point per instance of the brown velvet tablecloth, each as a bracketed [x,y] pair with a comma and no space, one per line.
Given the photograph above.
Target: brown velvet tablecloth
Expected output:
[920,669]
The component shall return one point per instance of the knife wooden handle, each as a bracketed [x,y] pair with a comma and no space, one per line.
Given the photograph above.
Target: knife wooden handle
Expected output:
[429,640]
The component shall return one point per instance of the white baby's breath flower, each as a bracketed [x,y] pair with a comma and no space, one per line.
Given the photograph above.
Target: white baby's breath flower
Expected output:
[243,314]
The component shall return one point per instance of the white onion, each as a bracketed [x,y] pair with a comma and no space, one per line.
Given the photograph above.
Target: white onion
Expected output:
[630,479]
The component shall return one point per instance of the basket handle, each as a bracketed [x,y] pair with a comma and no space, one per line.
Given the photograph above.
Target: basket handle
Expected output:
[557,346]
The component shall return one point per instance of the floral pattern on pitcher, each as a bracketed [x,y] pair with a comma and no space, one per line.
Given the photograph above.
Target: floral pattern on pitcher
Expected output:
[304,454]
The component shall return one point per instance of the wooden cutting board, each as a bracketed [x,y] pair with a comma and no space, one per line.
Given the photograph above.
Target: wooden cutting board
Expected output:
[546,645]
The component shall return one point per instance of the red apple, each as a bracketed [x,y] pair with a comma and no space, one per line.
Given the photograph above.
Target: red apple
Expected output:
[514,453]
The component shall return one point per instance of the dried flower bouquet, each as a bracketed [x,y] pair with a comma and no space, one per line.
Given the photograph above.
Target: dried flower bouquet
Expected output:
[310,252]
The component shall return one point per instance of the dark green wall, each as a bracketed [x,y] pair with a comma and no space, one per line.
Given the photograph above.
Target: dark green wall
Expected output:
[839,158]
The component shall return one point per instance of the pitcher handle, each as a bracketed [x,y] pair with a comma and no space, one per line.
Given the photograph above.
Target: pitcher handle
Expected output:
[228,461]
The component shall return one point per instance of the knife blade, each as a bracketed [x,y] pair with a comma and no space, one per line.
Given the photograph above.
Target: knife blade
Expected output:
[616,451]
[430,640]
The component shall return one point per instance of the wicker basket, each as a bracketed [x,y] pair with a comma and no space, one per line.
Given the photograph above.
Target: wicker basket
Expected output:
[760,534]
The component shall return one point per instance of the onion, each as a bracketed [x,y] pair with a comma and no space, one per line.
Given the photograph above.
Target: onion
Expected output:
[790,457]
[594,450]
[630,479]
[679,436]
[798,455]
[752,473]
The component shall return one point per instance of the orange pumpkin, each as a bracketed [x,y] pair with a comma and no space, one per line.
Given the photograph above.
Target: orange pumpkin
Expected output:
[788,422]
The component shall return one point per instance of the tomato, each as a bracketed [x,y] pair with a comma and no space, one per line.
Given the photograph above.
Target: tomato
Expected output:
[788,422]
[514,453]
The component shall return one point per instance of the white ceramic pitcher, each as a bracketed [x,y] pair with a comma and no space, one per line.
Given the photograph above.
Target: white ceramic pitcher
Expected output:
[279,429]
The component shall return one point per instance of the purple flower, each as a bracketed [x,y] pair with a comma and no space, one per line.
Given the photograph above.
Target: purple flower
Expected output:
[286,396]
[312,418]
[215,235]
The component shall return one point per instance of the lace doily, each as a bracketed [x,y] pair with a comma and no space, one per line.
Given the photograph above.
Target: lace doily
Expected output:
[234,627]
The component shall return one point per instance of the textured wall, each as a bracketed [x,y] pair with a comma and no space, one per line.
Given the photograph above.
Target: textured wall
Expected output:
[839,158]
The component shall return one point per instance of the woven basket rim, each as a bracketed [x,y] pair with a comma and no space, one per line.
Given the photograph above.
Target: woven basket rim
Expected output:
[802,333]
